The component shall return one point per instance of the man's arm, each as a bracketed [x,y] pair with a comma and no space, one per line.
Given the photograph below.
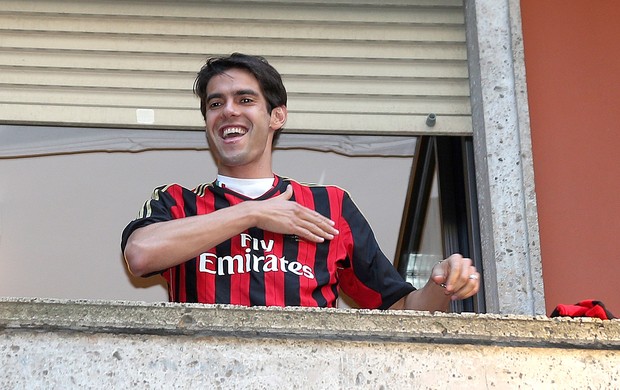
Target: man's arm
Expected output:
[456,273]
[162,245]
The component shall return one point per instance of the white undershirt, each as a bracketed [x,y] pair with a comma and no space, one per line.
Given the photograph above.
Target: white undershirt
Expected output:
[252,188]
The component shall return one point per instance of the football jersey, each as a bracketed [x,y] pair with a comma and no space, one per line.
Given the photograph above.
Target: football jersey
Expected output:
[262,268]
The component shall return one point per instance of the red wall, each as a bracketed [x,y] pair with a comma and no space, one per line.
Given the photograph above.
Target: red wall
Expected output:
[572,58]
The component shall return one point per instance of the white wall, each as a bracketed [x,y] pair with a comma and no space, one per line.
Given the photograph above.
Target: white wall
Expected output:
[61,216]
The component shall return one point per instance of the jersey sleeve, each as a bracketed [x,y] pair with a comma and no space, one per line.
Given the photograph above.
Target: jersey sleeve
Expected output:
[371,280]
[156,209]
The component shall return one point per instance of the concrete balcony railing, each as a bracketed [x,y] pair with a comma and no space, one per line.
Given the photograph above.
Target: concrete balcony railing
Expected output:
[52,344]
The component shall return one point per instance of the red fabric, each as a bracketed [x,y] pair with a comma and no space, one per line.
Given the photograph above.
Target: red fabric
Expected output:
[586,308]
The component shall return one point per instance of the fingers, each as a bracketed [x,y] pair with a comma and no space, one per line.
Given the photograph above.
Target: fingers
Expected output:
[280,215]
[313,226]
[471,287]
[459,268]
[310,224]
[458,275]
[467,284]
[286,195]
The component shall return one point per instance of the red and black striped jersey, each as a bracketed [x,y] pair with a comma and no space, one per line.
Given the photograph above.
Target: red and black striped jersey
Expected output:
[261,268]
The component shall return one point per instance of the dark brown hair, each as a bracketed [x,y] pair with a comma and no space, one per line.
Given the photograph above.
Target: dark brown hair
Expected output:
[267,76]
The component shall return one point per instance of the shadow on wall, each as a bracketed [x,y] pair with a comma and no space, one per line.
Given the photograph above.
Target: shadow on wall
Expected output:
[140,282]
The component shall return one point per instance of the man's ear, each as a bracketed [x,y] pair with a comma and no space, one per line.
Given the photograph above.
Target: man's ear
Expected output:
[278,117]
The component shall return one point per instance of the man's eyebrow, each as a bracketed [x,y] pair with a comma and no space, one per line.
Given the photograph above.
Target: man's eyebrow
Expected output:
[240,92]
[214,96]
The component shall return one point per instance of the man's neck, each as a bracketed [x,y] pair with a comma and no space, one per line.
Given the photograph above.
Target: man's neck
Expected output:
[244,172]
[252,188]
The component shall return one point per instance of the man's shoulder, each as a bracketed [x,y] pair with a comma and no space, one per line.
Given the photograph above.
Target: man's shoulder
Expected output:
[178,190]
[180,187]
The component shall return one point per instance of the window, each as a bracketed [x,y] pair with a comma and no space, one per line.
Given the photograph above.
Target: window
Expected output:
[441,214]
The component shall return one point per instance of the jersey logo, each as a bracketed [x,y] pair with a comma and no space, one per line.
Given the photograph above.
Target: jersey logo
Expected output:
[249,261]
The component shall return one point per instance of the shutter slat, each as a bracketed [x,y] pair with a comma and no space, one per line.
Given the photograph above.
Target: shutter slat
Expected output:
[301,122]
[238,10]
[195,45]
[162,99]
[75,59]
[197,27]
[177,81]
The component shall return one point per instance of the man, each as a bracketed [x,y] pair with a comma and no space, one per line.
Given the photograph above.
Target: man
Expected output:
[254,238]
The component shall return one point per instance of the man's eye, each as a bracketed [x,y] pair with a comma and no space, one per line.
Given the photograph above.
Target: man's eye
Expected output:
[246,100]
[214,104]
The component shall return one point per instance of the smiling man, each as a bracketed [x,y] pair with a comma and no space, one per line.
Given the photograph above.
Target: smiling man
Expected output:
[252,237]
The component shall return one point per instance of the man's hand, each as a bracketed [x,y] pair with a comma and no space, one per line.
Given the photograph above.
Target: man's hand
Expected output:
[280,215]
[459,277]
[451,279]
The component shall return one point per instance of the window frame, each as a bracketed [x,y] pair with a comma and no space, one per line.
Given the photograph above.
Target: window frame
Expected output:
[453,159]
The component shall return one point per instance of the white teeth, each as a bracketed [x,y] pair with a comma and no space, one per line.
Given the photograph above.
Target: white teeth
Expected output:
[233,131]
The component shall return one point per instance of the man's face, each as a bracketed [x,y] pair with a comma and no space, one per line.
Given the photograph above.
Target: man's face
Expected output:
[239,128]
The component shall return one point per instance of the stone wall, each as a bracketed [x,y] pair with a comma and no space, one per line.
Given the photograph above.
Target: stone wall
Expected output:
[84,344]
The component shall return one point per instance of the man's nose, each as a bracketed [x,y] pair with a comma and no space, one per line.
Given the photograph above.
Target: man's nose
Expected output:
[230,109]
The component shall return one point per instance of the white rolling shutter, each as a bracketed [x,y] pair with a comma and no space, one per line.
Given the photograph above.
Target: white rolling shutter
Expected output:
[350,67]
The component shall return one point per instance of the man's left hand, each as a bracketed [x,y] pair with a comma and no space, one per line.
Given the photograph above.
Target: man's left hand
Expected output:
[458,276]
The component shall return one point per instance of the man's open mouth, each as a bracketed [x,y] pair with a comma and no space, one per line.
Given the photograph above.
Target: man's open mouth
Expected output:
[231,132]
